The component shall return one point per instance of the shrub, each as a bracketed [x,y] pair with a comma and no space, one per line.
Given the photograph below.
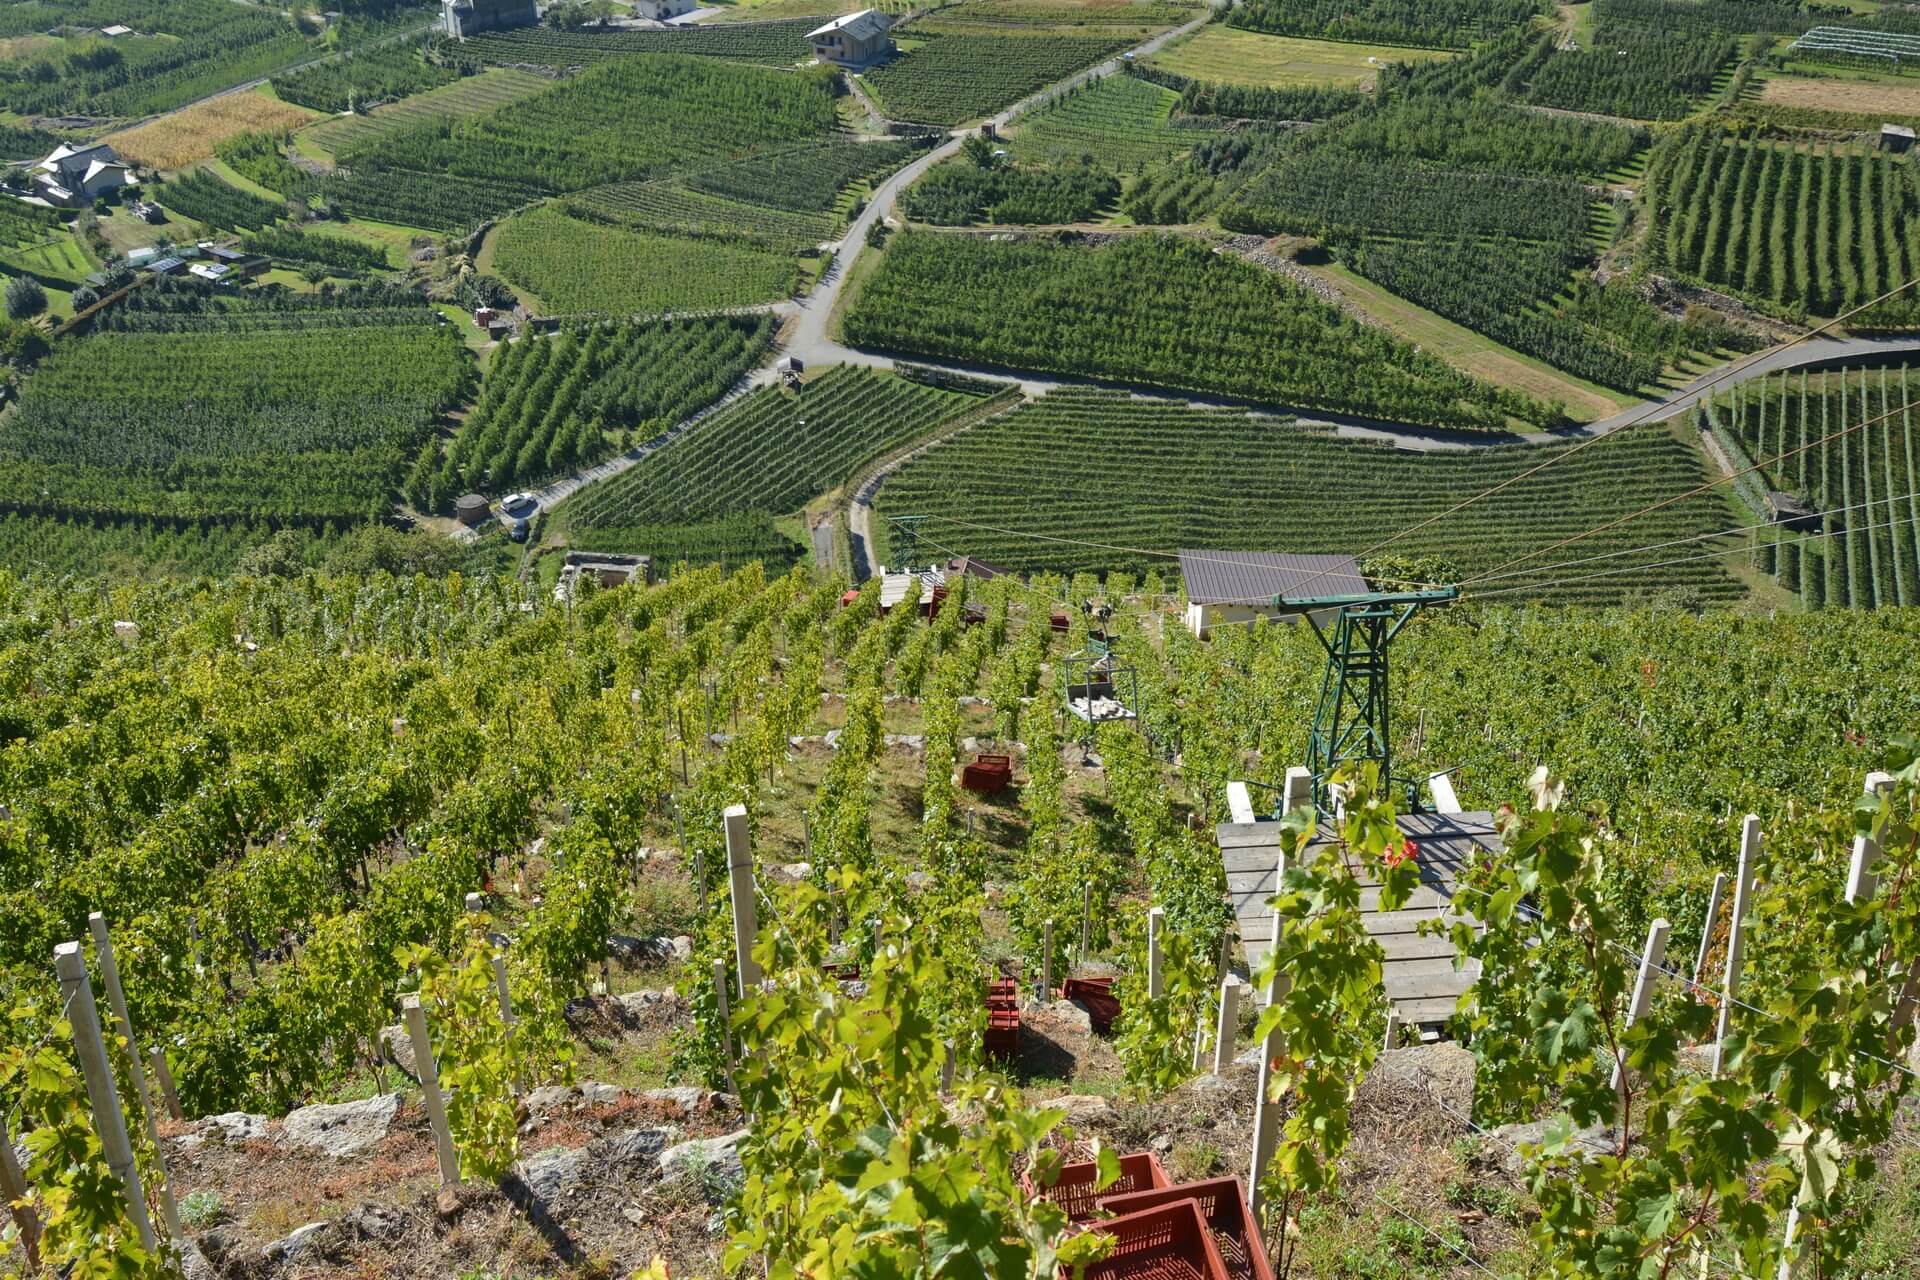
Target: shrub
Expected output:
[25,298]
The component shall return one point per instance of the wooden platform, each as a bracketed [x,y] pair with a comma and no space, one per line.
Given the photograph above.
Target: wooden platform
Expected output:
[1420,977]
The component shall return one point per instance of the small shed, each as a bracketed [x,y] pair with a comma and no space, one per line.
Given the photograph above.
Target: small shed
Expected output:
[661,10]
[790,364]
[607,569]
[1896,138]
[1791,511]
[471,509]
[167,266]
[854,40]
[1230,587]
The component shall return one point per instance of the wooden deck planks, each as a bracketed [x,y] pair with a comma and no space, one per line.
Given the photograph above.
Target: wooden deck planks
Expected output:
[1419,973]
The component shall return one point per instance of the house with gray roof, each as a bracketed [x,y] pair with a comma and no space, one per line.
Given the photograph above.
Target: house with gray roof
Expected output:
[74,177]
[855,40]
[1229,587]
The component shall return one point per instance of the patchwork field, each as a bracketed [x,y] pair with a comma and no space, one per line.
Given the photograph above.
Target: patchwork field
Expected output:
[194,134]
[1229,55]
[476,95]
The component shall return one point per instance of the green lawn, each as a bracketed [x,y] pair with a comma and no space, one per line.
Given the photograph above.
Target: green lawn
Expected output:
[1228,55]
[61,259]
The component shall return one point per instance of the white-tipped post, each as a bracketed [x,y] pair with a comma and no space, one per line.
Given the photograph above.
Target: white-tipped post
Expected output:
[76,997]
[1652,960]
[143,1096]
[1156,980]
[1737,935]
[429,1075]
[1861,880]
[1228,1026]
[740,882]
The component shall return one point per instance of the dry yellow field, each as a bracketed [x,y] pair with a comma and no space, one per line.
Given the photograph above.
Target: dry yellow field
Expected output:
[1891,96]
[190,135]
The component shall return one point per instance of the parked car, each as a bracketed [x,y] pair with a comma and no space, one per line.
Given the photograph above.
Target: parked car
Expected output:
[520,505]
[520,531]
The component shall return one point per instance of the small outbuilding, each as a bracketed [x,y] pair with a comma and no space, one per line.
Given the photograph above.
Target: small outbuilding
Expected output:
[1229,587]
[855,40]
[1791,511]
[663,10]
[606,568]
[1896,138]
[471,509]
[463,18]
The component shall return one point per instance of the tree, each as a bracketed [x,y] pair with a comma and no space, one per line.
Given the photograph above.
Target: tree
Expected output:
[979,149]
[278,557]
[25,298]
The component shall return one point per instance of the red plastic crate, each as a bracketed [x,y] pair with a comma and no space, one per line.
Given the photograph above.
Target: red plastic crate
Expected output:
[1057,622]
[1223,1203]
[1097,995]
[1168,1243]
[987,775]
[1074,1189]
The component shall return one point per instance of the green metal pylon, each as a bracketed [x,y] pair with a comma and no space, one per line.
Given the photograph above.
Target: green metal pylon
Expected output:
[1354,719]
[906,536]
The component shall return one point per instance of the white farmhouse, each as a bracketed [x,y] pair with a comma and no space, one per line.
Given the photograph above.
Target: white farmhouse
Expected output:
[856,40]
[72,177]
[662,10]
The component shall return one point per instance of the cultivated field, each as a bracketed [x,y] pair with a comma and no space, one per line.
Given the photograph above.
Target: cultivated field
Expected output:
[1854,94]
[476,95]
[190,136]
[1230,55]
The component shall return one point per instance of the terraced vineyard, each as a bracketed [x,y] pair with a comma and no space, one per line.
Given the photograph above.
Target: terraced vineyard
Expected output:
[1865,553]
[157,423]
[805,177]
[474,96]
[581,265]
[955,78]
[552,405]
[672,209]
[1816,227]
[779,43]
[1122,121]
[1108,469]
[763,456]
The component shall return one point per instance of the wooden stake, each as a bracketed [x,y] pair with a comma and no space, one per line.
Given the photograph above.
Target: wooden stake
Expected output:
[76,997]
[1713,915]
[1737,935]
[500,985]
[1086,920]
[1228,1027]
[1156,980]
[157,1056]
[946,1070]
[1046,961]
[726,1025]
[745,910]
[429,1076]
[143,1096]
[1652,960]
[13,1186]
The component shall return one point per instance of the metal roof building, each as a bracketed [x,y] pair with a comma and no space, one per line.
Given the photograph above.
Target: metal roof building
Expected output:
[1225,587]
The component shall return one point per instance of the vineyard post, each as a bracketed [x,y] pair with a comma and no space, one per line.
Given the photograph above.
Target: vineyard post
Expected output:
[1652,960]
[726,1026]
[157,1055]
[1866,849]
[13,1185]
[76,997]
[1086,919]
[500,985]
[1266,1112]
[1718,891]
[429,1076]
[117,1001]
[1737,935]
[1229,1022]
[1297,792]
[1156,980]
[946,1069]
[740,885]
[475,904]
[1392,1038]
[1046,961]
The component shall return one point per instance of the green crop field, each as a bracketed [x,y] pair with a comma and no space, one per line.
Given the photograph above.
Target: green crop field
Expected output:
[578,265]
[1865,480]
[1445,24]
[1232,55]
[1814,226]
[212,417]
[951,79]
[548,406]
[1156,309]
[1123,122]
[780,44]
[1131,474]
[476,95]
[763,456]
[673,210]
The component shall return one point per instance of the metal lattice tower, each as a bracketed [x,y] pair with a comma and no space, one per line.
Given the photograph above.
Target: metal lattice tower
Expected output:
[1354,719]
[906,536]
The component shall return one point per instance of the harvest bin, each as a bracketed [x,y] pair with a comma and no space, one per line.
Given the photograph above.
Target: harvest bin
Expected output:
[1074,1190]
[1223,1203]
[1168,1243]
[987,775]
[1097,995]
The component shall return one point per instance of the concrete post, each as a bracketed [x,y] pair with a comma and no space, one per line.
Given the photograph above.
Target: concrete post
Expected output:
[1266,1113]
[1156,980]
[1298,790]
[1086,920]
[500,985]
[157,1056]
[740,880]
[1652,960]
[1866,850]
[1714,896]
[726,1024]
[117,1000]
[1392,1038]
[76,998]
[1046,961]
[429,1075]
[1737,935]
[13,1188]
[1228,1026]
